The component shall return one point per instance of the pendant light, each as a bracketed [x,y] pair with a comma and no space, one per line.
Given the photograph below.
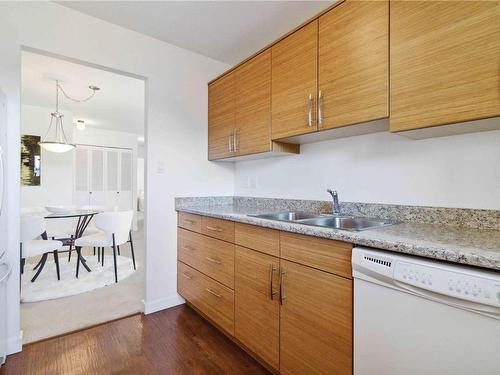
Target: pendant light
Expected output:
[60,142]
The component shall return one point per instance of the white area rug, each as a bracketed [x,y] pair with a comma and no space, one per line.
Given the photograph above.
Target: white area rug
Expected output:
[47,287]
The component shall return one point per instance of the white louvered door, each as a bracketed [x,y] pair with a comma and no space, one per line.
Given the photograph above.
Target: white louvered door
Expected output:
[81,193]
[103,177]
[113,174]
[97,173]
[125,192]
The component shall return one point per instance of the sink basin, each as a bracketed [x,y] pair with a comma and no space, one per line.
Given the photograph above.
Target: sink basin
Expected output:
[346,222]
[287,216]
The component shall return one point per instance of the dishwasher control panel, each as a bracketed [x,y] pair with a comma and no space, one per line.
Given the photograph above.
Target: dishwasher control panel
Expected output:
[463,285]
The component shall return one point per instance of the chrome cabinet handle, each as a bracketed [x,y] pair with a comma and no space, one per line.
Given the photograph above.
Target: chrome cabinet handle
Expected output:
[282,286]
[230,142]
[215,229]
[271,273]
[320,104]
[309,110]
[212,292]
[187,275]
[235,142]
[216,261]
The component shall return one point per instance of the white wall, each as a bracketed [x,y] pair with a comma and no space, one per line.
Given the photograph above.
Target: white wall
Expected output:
[456,171]
[176,126]
[56,180]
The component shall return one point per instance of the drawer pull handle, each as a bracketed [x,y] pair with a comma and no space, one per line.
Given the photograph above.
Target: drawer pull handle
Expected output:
[187,275]
[189,221]
[216,261]
[215,229]
[271,273]
[212,292]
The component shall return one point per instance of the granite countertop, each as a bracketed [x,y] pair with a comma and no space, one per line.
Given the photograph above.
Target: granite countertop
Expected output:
[465,245]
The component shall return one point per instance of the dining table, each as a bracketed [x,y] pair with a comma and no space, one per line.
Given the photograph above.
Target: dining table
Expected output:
[84,217]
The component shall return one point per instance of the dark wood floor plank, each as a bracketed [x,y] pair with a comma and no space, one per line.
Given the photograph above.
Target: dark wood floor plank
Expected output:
[173,341]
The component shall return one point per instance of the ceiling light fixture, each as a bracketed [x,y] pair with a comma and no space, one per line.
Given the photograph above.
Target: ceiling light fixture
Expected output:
[80,124]
[60,142]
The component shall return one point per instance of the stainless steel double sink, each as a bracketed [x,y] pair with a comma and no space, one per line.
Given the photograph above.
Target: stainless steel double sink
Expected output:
[350,223]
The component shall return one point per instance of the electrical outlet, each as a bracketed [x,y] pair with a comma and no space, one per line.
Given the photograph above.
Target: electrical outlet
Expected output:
[252,182]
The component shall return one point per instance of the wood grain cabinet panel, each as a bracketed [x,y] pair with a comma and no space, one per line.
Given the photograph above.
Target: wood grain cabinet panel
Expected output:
[189,221]
[254,237]
[214,258]
[294,79]
[213,299]
[218,228]
[354,63]
[221,117]
[315,322]
[253,105]
[257,303]
[445,62]
[324,254]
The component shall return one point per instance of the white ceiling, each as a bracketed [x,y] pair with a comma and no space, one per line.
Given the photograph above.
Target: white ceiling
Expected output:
[227,31]
[119,105]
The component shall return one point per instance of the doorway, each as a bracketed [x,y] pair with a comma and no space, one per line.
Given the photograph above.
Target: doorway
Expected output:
[102,173]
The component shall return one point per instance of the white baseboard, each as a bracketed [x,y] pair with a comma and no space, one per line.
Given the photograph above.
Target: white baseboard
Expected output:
[162,304]
[15,344]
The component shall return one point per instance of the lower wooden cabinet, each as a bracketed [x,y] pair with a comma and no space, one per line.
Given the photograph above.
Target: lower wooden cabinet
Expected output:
[315,321]
[292,310]
[256,312]
[213,299]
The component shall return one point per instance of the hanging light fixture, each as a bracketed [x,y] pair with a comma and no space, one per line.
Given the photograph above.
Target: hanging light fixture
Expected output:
[60,142]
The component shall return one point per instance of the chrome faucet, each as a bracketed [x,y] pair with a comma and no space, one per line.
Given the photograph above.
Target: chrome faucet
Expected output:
[335,204]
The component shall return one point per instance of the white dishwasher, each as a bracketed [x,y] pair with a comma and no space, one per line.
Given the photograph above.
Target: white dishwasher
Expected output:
[415,316]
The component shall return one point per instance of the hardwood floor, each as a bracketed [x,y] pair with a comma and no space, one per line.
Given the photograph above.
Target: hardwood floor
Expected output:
[173,341]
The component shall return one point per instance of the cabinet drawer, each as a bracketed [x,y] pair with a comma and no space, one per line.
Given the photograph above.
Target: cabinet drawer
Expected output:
[212,298]
[217,228]
[208,255]
[327,255]
[189,221]
[261,239]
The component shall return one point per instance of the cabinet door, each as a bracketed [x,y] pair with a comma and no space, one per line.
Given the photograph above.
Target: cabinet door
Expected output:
[444,62]
[256,310]
[294,81]
[354,63]
[221,113]
[253,105]
[315,322]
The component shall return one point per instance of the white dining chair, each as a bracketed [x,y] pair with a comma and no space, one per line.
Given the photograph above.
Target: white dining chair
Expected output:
[32,226]
[115,230]
[91,228]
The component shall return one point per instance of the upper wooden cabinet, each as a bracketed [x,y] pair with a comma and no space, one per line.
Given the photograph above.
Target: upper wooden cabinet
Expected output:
[353,65]
[294,83]
[239,116]
[221,117]
[253,105]
[445,62]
